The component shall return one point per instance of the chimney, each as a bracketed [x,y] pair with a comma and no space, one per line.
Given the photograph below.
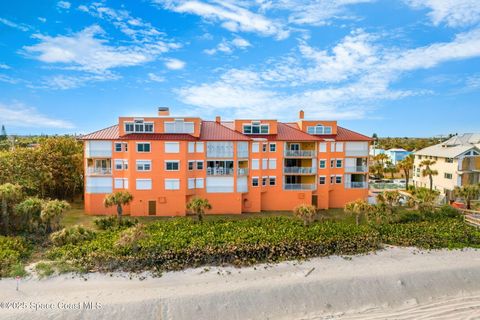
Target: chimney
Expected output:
[163,111]
[301,115]
[218,119]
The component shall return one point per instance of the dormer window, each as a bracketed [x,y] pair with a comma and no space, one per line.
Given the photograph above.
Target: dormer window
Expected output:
[179,126]
[256,128]
[138,126]
[319,129]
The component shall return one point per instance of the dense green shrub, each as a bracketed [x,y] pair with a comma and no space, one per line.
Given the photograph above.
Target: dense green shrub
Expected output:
[111,222]
[73,235]
[13,251]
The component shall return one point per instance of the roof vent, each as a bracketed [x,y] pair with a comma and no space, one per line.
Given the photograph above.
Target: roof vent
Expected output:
[163,111]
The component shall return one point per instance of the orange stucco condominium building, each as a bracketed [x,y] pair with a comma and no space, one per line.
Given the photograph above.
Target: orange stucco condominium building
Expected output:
[239,166]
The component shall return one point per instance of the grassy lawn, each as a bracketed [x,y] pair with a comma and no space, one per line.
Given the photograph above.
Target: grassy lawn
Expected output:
[77,216]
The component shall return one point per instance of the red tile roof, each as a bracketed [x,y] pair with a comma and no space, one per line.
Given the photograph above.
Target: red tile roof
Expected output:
[214,131]
[109,133]
[159,136]
[349,135]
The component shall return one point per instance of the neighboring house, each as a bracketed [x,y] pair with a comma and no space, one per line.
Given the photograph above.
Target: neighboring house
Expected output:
[457,163]
[376,151]
[239,166]
[397,155]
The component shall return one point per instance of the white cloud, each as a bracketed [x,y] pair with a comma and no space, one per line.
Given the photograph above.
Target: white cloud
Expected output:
[174,64]
[229,46]
[65,82]
[232,16]
[18,114]
[344,82]
[84,51]
[453,13]
[155,78]
[4,66]
[42,19]
[64,4]
[8,79]
[19,26]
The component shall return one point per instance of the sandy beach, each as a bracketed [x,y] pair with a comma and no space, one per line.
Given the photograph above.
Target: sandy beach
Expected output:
[396,283]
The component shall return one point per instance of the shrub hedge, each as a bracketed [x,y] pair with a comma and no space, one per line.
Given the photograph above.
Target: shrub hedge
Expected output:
[13,251]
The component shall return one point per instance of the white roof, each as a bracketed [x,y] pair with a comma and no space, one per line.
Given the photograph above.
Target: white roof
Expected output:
[397,150]
[453,147]
[464,139]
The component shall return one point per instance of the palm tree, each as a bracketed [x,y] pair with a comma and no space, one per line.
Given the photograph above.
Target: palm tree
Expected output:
[8,193]
[198,207]
[305,212]
[390,199]
[52,212]
[380,160]
[428,171]
[468,193]
[423,199]
[390,168]
[406,165]
[119,199]
[358,208]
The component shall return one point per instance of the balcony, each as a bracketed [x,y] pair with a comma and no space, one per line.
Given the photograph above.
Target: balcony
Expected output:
[356,185]
[299,186]
[242,171]
[299,170]
[220,171]
[299,153]
[469,164]
[356,169]
[99,171]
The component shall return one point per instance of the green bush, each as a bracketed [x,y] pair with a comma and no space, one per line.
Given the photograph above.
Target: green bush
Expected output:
[13,252]
[71,235]
[111,222]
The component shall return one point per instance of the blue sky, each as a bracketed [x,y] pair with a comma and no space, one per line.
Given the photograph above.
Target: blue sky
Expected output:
[397,68]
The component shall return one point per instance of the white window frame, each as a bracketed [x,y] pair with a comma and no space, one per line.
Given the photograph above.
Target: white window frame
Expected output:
[324,180]
[203,165]
[172,161]
[170,181]
[116,144]
[264,163]
[264,146]
[143,180]
[336,163]
[255,147]
[142,163]
[191,147]
[322,147]
[339,147]
[120,183]
[200,147]
[274,145]
[274,178]
[175,145]
[272,163]
[192,162]
[191,183]
[144,143]
[258,182]
[336,179]
[255,164]
[199,183]
[264,181]
[324,163]
[116,162]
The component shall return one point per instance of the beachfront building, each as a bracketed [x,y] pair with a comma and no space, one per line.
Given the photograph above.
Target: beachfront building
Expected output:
[457,161]
[397,155]
[239,166]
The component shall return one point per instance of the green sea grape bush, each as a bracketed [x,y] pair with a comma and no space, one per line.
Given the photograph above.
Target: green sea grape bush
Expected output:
[13,252]
[111,222]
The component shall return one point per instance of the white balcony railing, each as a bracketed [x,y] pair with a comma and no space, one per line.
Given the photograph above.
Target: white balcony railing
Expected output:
[300,153]
[300,170]
[219,171]
[356,169]
[299,186]
[99,171]
[242,171]
[356,185]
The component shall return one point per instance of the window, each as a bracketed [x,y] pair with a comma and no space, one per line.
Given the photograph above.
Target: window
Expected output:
[118,147]
[144,165]
[448,176]
[294,146]
[322,147]
[449,160]
[272,163]
[255,128]
[172,184]
[339,147]
[338,179]
[322,164]
[172,165]
[339,163]
[144,184]
[121,164]
[121,183]
[199,165]
[264,181]
[191,183]
[319,129]
[190,165]
[255,164]
[264,147]
[179,126]
[264,163]
[138,126]
[332,146]
[199,183]
[273,181]
[255,147]
[172,147]
[200,147]
[332,179]
[255,182]
[322,180]
[273,147]
[143,147]
[191,147]
[332,163]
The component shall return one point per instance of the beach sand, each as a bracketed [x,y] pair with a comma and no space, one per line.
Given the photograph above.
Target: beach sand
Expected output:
[395,283]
